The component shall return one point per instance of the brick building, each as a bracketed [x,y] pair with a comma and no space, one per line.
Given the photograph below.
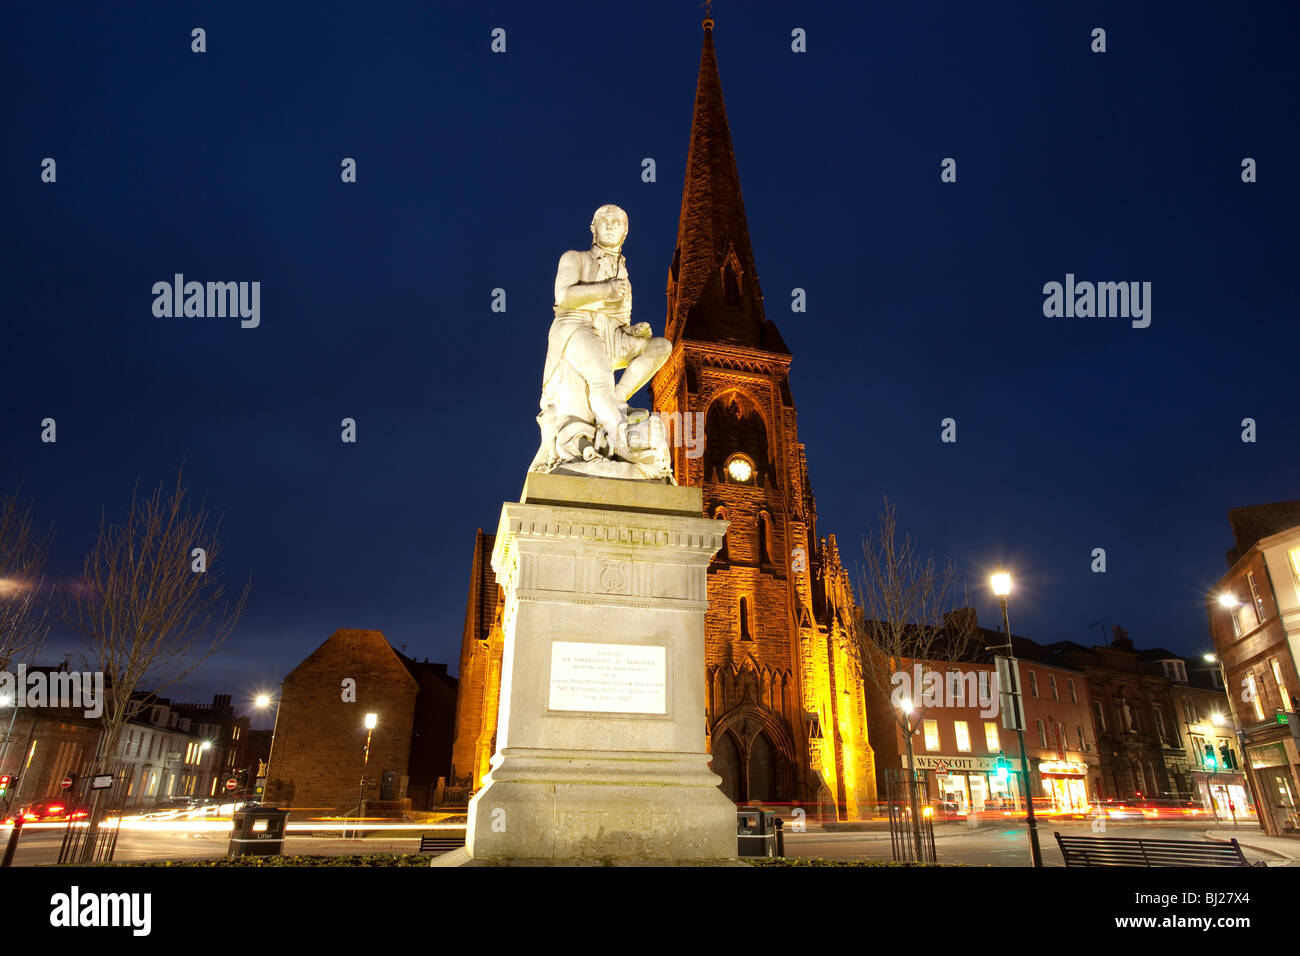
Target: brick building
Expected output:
[961,736]
[41,746]
[1060,738]
[786,711]
[317,749]
[1254,620]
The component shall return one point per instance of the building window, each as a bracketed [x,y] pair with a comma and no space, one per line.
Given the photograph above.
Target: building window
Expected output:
[931,734]
[1160,724]
[991,742]
[1042,733]
[1051,682]
[1190,712]
[1256,597]
[963,736]
[1281,684]
[744,619]
[1083,741]
[1074,697]
[1254,696]
[1033,683]
[765,537]
[1099,715]
[956,689]
[1294,555]
[1235,614]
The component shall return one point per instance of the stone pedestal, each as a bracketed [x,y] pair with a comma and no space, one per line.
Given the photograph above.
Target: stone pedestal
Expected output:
[601,737]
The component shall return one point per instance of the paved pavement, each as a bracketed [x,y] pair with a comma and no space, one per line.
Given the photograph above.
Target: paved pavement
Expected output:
[1284,847]
[1008,844]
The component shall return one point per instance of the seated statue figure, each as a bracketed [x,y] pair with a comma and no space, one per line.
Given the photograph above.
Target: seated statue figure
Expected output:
[584,418]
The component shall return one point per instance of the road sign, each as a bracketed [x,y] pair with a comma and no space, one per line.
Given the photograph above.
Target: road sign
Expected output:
[232,783]
[67,783]
[941,768]
[102,781]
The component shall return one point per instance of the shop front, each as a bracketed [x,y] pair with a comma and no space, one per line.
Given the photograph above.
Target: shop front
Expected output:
[1279,800]
[961,784]
[1065,783]
[1225,795]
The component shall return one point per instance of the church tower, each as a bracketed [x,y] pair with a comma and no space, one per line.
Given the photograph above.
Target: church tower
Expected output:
[787,719]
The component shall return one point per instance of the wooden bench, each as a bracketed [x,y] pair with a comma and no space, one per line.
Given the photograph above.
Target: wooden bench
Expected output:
[1119,851]
[440,844]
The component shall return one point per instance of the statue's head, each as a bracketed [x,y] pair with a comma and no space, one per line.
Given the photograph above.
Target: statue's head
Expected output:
[609,227]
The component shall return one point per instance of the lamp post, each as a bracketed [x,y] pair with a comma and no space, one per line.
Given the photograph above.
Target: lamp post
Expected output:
[261,703]
[1230,601]
[913,798]
[1001,583]
[371,720]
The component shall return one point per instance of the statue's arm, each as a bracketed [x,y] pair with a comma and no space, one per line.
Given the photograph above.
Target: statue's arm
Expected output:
[570,291]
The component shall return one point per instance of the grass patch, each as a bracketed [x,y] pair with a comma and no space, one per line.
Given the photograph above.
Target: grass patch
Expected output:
[817,861]
[347,859]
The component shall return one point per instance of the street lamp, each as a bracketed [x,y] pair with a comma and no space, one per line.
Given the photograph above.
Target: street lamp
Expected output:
[1001,584]
[371,720]
[1218,719]
[261,702]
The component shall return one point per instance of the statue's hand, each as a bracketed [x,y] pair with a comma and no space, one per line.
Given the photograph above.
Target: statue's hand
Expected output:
[641,330]
[618,288]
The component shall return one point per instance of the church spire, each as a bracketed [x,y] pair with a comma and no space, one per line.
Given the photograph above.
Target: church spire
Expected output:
[713,290]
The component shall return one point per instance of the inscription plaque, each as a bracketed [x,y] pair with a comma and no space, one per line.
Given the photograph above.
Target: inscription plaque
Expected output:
[609,678]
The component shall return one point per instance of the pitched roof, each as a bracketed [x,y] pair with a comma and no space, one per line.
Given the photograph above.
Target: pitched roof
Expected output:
[1253,522]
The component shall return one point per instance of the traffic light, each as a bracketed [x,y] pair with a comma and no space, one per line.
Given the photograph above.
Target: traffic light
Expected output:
[1226,751]
[1003,767]
[1210,760]
[6,781]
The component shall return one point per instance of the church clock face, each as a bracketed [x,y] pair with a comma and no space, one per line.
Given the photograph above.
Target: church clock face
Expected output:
[739,468]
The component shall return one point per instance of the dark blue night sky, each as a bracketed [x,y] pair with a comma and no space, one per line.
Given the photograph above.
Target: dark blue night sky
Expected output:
[477,170]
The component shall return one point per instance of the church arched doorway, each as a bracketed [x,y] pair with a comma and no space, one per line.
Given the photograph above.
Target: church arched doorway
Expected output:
[754,754]
[726,764]
[762,778]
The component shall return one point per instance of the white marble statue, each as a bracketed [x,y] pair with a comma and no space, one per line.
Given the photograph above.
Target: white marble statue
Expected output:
[587,427]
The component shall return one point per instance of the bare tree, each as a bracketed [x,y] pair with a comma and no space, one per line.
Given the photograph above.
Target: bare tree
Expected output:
[24,617]
[152,607]
[906,600]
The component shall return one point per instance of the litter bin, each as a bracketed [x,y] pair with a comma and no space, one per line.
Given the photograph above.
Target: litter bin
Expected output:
[258,831]
[756,832]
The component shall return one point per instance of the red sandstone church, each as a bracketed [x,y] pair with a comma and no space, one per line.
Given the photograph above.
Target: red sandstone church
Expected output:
[786,717]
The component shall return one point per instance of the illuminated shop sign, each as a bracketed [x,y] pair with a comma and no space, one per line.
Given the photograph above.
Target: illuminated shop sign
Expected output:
[1063,768]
